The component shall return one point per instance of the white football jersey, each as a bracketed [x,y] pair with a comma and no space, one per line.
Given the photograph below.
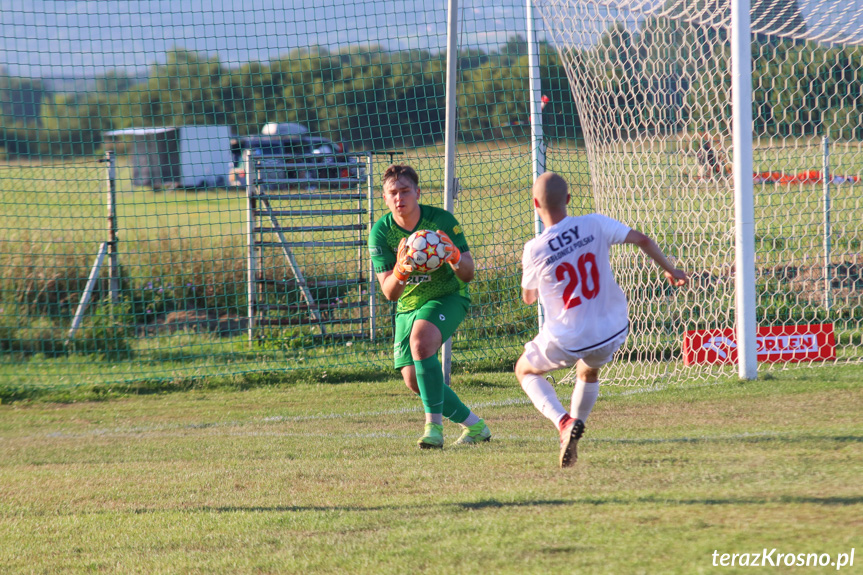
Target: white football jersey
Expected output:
[569,265]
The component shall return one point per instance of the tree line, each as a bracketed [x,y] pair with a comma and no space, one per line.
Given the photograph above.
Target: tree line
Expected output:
[662,77]
[368,97]
[671,77]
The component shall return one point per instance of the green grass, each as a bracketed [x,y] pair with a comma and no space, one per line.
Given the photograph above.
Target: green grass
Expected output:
[311,477]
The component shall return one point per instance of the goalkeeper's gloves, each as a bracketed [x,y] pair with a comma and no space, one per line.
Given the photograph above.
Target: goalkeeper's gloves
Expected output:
[453,255]
[403,267]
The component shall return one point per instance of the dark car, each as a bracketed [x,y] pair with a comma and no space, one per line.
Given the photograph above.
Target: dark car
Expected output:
[293,160]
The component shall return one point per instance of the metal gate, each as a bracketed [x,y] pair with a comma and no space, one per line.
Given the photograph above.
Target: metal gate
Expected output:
[316,211]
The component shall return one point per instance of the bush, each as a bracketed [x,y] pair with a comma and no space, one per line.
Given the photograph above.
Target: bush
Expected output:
[154,298]
[106,333]
[23,336]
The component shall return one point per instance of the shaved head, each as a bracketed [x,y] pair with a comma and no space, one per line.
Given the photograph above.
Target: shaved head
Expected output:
[551,192]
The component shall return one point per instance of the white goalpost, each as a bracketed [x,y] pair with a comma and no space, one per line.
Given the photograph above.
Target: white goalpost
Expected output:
[703,124]
[744,207]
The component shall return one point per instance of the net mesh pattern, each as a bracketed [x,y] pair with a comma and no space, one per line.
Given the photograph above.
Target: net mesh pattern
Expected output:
[177,94]
[652,84]
[126,244]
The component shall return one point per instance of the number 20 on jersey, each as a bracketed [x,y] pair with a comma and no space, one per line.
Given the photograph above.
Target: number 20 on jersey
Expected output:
[586,274]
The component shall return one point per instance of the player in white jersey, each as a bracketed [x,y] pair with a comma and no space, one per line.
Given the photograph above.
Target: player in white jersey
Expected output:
[586,317]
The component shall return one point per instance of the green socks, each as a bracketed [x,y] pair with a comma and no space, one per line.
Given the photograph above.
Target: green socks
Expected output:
[430,382]
[453,408]
[438,397]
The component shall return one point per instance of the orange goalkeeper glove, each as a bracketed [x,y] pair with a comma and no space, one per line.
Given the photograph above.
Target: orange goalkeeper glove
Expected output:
[403,267]
[453,255]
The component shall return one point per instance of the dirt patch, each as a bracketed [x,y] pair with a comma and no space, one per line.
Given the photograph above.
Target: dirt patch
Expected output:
[197,321]
[806,281]
[846,281]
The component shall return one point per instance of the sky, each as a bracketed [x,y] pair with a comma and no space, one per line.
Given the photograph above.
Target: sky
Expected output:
[84,39]
[56,38]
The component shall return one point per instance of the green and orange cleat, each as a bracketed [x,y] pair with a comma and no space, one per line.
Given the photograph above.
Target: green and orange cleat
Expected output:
[432,438]
[476,433]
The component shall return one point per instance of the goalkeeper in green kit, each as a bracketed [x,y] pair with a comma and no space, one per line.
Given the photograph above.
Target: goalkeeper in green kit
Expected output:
[430,306]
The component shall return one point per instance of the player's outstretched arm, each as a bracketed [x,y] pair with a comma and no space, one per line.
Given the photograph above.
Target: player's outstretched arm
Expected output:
[676,277]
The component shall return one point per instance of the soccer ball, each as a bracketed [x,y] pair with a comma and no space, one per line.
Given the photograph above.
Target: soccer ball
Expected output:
[425,250]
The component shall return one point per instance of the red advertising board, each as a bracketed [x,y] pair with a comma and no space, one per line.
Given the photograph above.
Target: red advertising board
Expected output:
[786,343]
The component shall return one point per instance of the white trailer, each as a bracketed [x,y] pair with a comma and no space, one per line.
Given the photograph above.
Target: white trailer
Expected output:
[178,156]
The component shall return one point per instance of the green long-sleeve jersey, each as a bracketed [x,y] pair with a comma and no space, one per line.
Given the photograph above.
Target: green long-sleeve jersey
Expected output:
[421,287]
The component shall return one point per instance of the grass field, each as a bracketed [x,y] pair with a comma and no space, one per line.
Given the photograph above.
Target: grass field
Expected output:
[325,478]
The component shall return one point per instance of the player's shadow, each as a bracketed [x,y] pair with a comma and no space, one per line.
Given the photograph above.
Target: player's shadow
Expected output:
[782,499]
[495,504]
[743,438]
[663,500]
[828,501]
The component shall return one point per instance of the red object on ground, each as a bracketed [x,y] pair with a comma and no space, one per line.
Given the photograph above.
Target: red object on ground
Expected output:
[805,177]
[788,343]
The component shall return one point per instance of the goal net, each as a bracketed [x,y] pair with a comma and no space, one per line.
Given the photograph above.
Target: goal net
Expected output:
[652,85]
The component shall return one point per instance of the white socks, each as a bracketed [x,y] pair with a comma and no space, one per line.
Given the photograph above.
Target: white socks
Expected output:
[435,418]
[438,419]
[543,396]
[583,399]
[472,419]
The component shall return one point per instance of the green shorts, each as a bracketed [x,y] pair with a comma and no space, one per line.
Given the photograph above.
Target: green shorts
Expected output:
[446,313]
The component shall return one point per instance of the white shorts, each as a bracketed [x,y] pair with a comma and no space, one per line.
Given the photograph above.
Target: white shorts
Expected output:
[545,354]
